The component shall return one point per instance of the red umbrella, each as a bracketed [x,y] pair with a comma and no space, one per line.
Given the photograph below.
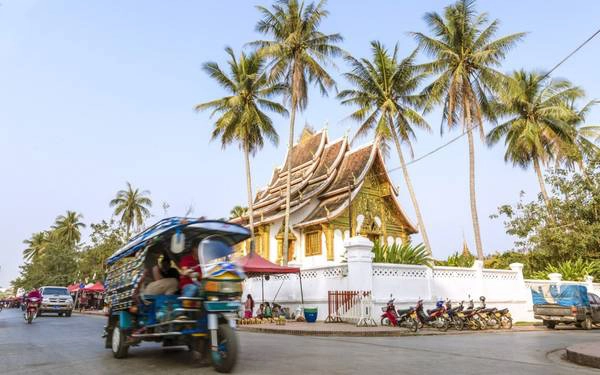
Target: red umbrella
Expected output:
[98,287]
[255,265]
[73,288]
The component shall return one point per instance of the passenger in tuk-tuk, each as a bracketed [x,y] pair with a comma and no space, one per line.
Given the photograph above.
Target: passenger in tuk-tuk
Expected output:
[164,278]
[189,266]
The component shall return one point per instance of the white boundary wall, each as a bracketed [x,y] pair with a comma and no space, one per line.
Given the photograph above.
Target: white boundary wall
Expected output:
[405,283]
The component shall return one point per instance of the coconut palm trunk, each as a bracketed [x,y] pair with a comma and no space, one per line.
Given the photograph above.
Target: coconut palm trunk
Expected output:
[249,187]
[540,176]
[411,192]
[288,186]
[472,195]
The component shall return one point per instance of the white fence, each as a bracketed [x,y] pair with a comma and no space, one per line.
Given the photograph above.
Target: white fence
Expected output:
[405,283]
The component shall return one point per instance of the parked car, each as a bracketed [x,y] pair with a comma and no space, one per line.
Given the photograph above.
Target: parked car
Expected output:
[570,305]
[56,299]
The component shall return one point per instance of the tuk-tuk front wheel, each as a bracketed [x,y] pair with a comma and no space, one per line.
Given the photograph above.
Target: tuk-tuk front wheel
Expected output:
[119,346]
[225,357]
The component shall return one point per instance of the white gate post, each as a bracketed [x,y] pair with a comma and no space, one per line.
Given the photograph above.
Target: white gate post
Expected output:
[360,263]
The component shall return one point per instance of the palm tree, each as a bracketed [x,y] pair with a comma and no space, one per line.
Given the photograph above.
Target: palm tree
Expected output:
[465,58]
[584,136]
[299,52]
[238,212]
[67,228]
[36,245]
[384,94]
[538,120]
[241,117]
[133,206]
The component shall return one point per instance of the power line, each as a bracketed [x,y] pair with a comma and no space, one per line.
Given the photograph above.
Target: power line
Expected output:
[444,145]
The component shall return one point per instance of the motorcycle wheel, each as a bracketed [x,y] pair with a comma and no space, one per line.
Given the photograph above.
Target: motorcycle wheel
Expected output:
[442,324]
[507,322]
[225,357]
[119,343]
[29,317]
[413,325]
[459,324]
[493,323]
[385,322]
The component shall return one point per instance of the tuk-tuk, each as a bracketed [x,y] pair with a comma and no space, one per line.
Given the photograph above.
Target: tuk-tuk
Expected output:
[205,321]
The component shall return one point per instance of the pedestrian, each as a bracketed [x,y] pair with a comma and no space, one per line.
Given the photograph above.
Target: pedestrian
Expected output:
[248,307]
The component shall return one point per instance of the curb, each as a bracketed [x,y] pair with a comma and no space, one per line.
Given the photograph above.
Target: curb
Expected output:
[296,332]
[583,354]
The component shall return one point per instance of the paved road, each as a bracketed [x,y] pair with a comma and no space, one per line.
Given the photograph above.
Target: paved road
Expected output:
[53,345]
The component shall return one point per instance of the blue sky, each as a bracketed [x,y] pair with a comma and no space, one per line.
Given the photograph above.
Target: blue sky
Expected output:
[94,94]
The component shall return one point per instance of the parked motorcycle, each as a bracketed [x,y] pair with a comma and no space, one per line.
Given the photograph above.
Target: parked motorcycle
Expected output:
[472,318]
[488,315]
[436,318]
[31,309]
[401,318]
[456,315]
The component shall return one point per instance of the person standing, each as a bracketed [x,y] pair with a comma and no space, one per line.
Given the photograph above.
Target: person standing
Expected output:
[248,307]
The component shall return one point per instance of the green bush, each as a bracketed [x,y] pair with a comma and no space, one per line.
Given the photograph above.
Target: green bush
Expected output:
[405,253]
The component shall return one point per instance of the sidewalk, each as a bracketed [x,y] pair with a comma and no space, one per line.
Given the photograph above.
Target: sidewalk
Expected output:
[89,312]
[586,354]
[350,330]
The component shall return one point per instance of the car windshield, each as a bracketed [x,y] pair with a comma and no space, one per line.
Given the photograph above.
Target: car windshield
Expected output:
[213,248]
[60,291]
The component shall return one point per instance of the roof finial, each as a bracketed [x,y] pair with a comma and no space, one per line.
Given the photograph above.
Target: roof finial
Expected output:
[326,210]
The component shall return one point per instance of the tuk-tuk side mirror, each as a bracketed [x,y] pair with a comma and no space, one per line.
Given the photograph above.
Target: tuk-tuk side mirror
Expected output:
[177,243]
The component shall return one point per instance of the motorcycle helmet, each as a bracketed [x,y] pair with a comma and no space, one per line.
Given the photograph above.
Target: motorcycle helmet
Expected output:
[439,304]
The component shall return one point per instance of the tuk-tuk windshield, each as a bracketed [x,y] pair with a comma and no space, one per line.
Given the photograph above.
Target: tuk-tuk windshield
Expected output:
[213,248]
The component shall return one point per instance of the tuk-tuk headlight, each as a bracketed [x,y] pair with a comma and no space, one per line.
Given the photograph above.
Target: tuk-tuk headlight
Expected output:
[225,287]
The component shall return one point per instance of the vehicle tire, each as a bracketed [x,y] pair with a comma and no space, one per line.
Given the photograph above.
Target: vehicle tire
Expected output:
[60,314]
[443,324]
[494,323]
[119,343]
[385,322]
[507,322]
[225,357]
[587,323]
[68,313]
[412,325]
[459,324]
[29,317]
[549,324]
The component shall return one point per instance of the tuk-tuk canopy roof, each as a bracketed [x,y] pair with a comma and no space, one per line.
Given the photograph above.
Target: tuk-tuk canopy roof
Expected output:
[190,227]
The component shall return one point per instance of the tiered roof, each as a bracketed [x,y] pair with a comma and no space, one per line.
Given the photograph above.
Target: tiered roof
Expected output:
[322,173]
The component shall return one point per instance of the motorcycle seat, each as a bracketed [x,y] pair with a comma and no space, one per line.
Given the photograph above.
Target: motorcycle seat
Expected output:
[432,311]
[405,311]
[503,311]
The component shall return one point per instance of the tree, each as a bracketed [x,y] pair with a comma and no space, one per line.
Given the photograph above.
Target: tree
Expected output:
[133,206]
[36,245]
[539,120]
[405,253]
[238,211]
[568,230]
[105,239]
[585,137]
[67,228]
[299,51]
[384,94]
[465,57]
[241,117]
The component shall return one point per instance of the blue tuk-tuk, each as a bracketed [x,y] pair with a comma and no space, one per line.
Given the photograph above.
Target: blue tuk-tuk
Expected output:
[204,321]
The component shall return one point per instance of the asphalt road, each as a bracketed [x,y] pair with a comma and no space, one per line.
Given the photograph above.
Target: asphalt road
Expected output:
[53,345]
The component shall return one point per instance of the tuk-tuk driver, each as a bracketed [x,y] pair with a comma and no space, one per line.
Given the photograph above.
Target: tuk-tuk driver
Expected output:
[189,266]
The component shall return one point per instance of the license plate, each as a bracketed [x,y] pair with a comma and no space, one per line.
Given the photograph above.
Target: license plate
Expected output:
[56,307]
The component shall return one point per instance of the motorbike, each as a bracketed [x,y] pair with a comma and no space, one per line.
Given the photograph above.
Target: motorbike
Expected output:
[31,309]
[472,318]
[399,318]
[456,315]
[436,318]
[488,315]
[505,318]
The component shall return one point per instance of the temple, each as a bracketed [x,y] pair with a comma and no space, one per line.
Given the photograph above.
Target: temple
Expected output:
[336,192]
